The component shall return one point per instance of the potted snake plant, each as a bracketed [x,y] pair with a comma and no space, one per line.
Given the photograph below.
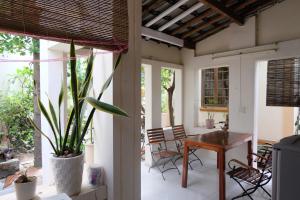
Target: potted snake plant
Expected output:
[67,160]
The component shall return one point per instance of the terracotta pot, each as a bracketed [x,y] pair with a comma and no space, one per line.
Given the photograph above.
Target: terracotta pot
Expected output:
[26,191]
[89,153]
[210,123]
[67,174]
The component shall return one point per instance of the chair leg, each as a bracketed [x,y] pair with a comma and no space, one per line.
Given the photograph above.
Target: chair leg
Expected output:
[266,191]
[245,193]
[175,166]
[193,152]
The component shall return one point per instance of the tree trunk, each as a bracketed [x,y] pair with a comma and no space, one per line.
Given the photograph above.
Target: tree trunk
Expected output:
[37,113]
[170,91]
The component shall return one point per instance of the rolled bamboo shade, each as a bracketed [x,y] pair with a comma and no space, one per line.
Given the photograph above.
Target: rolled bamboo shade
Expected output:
[283,82]
[94,23]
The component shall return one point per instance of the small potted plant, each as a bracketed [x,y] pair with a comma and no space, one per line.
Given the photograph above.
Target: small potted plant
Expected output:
[210,122]
[25,186]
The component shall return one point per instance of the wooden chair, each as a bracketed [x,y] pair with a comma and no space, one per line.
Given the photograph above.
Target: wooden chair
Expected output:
[179,135]
[255,177]
[161,155]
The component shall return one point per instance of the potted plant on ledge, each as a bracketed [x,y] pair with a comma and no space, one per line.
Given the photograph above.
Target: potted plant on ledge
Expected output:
[210,122]
[67,160]
[25,185]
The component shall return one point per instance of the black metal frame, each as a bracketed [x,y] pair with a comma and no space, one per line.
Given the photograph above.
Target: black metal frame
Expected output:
[264,162]
[156,138]
[162,160]
[180,148]
[179,135]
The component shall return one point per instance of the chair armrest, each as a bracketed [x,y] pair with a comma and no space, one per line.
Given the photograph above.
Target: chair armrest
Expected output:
[241,164]
[258,156]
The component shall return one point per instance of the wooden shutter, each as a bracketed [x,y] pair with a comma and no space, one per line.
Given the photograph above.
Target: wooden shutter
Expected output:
[94,23]
[283,83]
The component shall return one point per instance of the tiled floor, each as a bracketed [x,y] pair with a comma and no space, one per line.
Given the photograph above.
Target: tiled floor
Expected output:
[202,185]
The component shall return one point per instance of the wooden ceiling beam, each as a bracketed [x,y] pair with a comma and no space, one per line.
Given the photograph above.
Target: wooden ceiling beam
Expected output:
[220,8]
[211,32]
[181,16]
[259,5]
[193,21]
[203,25]
[166,12]
[154,4]
[244,5]
[238,8]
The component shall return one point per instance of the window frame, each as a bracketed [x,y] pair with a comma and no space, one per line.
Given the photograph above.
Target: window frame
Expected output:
[214,107]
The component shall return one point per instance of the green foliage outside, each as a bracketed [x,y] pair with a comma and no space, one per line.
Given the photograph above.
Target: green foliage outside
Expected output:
[16,105]
[20,45]
[166,81]
[16,102]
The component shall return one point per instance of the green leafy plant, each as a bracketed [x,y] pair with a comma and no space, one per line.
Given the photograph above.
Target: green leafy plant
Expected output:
[70,143]
[16,105]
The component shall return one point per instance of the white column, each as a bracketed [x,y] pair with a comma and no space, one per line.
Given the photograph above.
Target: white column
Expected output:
[103,122]
[127,95]
[156,96]
[177,97]
[51,75]
[153,102]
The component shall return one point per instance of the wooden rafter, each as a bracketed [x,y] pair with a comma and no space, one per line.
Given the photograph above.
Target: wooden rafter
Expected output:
[154,4]
[211,31]
[203,25]
[193,21]
[219,7]
[257,6]
[245,4]
[199,19]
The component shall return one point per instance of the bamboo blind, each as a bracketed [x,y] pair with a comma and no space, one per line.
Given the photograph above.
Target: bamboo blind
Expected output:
[283,82]
[95,23]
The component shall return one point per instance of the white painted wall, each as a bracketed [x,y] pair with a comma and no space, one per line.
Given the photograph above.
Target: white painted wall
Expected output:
[160,52]
[279,23]
[9,68]
[273,123]
[234,37]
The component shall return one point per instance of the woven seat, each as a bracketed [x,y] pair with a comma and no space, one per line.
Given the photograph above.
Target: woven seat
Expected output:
[166,154]
[256,177]
[249,176]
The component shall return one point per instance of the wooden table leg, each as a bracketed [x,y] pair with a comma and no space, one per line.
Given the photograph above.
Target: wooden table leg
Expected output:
[250,158]
[222,184]
[185,165]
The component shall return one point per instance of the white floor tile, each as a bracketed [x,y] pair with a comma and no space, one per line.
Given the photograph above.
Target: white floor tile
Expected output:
[202,184]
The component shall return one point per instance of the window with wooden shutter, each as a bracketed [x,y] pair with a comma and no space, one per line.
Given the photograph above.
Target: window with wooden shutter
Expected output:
[283,82]
[215,87]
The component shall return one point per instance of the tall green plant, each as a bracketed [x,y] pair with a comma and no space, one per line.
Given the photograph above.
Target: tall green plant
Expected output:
[69,143]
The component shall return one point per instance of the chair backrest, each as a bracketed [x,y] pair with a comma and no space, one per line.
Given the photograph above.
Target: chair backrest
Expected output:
[265,151]
[179,132]
[155,135]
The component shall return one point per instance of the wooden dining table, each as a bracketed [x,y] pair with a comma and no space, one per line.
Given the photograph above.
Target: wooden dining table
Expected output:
[220,142]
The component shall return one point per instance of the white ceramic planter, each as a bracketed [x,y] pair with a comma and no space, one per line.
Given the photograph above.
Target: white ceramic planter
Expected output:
[89,153]
[67,174]
[210,123]
[26,191]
